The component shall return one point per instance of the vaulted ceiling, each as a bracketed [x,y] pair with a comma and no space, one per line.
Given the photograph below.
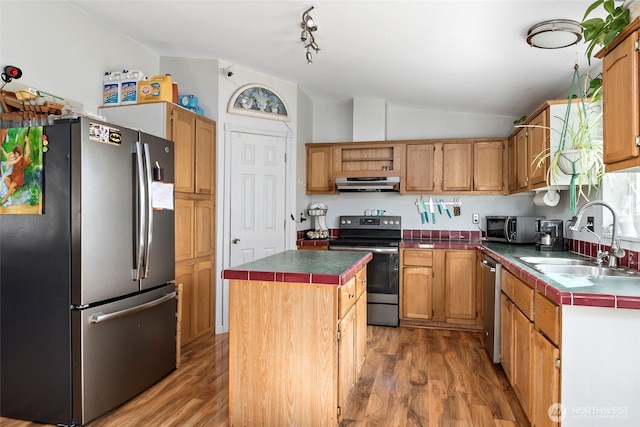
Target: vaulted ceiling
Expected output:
[464,56]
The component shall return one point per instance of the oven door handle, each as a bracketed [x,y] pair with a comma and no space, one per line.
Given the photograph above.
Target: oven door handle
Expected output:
[365,249]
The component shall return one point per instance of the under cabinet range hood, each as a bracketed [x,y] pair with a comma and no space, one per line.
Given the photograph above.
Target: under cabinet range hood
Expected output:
[378,183]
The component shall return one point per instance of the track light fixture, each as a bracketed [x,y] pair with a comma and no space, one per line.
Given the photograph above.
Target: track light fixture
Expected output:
[308,26]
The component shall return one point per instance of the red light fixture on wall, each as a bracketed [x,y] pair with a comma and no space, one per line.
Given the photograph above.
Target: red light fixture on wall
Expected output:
[11,72]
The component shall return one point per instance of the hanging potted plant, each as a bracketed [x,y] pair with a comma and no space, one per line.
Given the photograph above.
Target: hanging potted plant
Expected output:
[579,151]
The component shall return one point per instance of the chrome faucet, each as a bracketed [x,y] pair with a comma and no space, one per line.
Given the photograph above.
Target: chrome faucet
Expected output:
[601,254]
[616,251]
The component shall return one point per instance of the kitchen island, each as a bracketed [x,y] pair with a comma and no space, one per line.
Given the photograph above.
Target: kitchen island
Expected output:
[297,336]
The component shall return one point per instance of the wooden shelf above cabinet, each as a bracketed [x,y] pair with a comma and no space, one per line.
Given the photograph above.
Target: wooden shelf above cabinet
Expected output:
[365,159]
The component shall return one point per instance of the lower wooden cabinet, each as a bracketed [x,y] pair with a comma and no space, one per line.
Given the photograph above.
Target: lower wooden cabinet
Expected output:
[194,236]
[545,373]
[197,299]
[194,228]
[417,293]
[530,360]
[460,286]
[439,285]
[506,336]
[522,330]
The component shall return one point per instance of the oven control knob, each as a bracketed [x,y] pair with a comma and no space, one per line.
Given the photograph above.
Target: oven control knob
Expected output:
[397,222]
[385,222]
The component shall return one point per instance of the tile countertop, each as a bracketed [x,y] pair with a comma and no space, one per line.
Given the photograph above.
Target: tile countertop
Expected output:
[320,267]
[567,290]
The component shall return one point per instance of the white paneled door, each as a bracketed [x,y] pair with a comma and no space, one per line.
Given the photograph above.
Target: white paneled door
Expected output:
[257,196]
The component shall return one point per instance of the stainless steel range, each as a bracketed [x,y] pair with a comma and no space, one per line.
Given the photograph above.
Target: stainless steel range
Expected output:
[380,235]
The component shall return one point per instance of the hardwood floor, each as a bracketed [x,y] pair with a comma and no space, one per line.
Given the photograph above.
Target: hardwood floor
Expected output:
[411,377]
[428,377]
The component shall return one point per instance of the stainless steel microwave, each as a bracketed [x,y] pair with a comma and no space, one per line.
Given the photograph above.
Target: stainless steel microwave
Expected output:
[511,229]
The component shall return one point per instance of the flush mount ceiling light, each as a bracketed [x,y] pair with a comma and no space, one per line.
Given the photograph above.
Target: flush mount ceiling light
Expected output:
[308,27]
[555,34]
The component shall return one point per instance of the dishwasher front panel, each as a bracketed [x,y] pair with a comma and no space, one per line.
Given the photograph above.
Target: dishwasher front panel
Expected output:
[491,286]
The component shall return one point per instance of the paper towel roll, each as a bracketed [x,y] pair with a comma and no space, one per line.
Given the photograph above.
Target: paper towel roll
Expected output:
[546,198]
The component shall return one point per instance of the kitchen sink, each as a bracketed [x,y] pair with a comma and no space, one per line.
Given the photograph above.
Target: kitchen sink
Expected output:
[577,267]
[555,261]
[587,270]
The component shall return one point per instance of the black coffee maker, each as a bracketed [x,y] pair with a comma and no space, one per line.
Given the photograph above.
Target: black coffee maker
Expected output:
[549,236]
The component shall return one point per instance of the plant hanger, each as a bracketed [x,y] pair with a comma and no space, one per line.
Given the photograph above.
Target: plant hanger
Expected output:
[563,137]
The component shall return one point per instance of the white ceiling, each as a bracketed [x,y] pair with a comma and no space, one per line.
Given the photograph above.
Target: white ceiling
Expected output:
[464,56]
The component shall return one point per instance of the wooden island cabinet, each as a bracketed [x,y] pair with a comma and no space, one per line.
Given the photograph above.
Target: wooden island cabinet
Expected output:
[297,337]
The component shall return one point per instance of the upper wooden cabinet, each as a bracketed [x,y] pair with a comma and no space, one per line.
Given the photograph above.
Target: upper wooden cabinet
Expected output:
[193,136]
[489,165]
[205,152]
[420,168]
[460,166]
[424,166]
[525,144]
[621,101]
[319,169]
[539,137]
[365,159]
[522,160]
[457,161]
[538,140]
[512,163]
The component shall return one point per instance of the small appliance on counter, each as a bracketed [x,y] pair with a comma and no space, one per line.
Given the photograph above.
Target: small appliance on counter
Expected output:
[512,229]
[549,235]
[318,211]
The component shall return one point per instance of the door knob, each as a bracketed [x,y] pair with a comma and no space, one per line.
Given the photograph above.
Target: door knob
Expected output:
[235,241]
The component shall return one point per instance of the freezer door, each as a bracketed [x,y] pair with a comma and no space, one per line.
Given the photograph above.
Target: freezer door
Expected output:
[120,349]
[160,253]
[103,200]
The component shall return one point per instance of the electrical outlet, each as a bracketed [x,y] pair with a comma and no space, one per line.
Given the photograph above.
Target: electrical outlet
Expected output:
[475,218]
[590,223]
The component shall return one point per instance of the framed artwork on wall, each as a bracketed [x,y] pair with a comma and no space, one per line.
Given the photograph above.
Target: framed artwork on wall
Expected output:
[21,168]
[257,100]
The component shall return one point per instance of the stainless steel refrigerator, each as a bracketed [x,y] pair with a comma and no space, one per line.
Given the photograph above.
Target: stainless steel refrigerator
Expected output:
[87,299]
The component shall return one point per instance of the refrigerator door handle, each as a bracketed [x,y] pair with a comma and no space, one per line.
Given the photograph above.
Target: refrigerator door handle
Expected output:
[100,317]
[149,207]
[141,212]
